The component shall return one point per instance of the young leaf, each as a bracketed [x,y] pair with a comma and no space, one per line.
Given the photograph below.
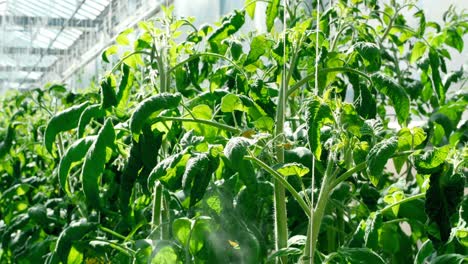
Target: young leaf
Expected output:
[95,161]
[271,13]
[443,197]
[418,51]
[62,121]
[250,7]
[74,154]
[231,102]
[318,115]
[378,157]
[396,93]
[150,107]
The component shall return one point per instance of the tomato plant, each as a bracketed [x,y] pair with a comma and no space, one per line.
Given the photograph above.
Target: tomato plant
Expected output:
[209,145]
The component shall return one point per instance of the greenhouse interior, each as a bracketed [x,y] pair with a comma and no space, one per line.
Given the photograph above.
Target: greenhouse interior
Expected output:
[234,131]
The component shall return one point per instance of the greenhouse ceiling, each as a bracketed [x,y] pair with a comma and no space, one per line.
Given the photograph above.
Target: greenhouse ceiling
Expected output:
[33,34]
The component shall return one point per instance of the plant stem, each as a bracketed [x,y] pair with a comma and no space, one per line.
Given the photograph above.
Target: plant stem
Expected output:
[320,207]
[414,197]
[201,121]
[156,215]
[109,231]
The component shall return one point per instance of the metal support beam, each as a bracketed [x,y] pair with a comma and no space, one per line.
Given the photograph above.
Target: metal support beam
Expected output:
[32,51]
[23,68]
[18,80]
[26,21]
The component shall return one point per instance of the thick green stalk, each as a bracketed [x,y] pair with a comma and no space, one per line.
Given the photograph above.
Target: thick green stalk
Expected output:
[157,198]
[281,225]
[319,210]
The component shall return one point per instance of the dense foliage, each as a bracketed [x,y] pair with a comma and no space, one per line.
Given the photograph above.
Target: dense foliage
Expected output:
[208,145]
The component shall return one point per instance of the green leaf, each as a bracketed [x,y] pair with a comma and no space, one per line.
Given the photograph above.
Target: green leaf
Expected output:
[360,256]
[424,252]
[431,161]
[74,154]
[231,102]
[450,259]
[434,61]
[165,255]
[370,53]
[108,52]
[201,231]
[264,123]
[272,12]
[371,236]
[197,176]
[151,107]
[75,232]
[454,40]
[126,83]
[250,7]
[182,79]
[62,121]
[418,51]
[7,142]
[181,229]
[318,115]
[443,198]
[231,25]
[169,171]
[410,138]
[95,161]
[38,213]
[91,112]
[236,149]
[122,38]
[108,96]
[396,93]
[258,47]
[75,256]
[378,157]
[291,169]
[422,22]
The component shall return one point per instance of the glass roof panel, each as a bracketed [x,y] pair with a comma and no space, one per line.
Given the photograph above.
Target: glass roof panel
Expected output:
[35,33]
